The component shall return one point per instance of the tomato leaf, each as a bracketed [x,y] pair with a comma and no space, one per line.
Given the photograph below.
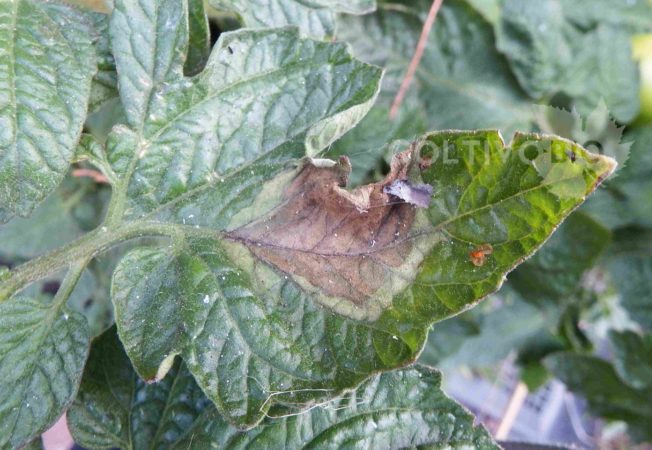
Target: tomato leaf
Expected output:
[462,81]
[47,62]
[315,18]
[43,348]
[400,409]
[361,274]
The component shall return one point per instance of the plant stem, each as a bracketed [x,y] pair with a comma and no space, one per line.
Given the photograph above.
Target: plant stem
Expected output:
[416,58]
[86,247]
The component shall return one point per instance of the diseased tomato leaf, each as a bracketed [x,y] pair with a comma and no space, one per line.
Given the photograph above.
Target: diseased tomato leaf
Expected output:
[338,241]
[312,287]
[276,285]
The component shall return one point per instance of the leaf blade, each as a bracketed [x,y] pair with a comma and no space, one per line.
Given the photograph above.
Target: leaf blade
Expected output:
[149,42]
[222,305]
[47,66]
[393,410]
[268,128]
[43,353]
[315,18]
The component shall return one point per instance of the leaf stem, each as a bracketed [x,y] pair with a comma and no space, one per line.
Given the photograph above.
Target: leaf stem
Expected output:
[69,283]
[87,247]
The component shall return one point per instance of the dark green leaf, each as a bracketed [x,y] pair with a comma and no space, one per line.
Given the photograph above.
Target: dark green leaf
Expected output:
[51,225]
[394,410]
[46,65]
[315,18]
[631,272]
[115,408]
[462,80]
[635,16]
[462,341]
[625,199]
[149,41]
[556,270]
[633,358]
[401,409]
[199,41]
[105,83]
[43,348]
[490,9]
[550,55]
[533,35]
[36,444]
[607,395]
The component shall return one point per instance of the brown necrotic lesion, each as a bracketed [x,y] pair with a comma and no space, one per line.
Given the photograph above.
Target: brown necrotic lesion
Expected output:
[342,242]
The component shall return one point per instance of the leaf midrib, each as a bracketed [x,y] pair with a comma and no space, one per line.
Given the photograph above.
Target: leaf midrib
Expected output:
[146,141]
[436,228]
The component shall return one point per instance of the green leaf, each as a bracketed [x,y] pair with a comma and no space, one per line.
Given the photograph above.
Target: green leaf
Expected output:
[462,81]
[507,321]
[631,271]
[550,54]
[490,9]
[635,16]
[633,358]
[224,305]
[104,88]
[315,18]
[199,40]
[556,270]
[42,353]
[394,410]
[115,408]
[149,42]
[608,396]
[625,199]
[47,65]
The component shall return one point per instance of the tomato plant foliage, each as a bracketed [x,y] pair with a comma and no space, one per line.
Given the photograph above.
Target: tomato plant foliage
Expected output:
[258,299]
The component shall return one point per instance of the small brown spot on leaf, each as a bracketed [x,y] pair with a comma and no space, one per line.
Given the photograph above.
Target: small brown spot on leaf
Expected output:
[342,242]
[478,256]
